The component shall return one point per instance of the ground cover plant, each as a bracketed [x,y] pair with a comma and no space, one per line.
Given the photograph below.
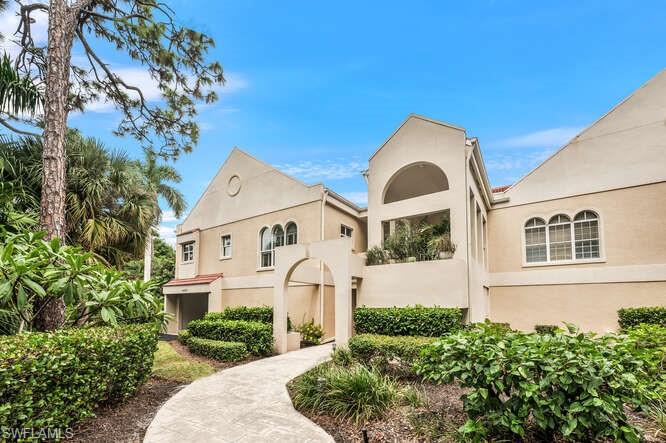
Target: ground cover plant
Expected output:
[409,320]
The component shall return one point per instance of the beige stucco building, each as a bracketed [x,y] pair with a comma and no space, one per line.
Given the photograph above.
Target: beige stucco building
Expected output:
[579,237]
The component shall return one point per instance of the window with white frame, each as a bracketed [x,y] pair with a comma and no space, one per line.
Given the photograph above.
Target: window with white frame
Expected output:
[559,237]
[188,252]
[265,248]
[292,233]
[535,240]
[225,245]
[278,236]
[586,235]
[562,239]
[345,231]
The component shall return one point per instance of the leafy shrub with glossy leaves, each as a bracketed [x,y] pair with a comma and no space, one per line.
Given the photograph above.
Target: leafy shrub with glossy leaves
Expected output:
[257,336]
[311,333]
[379,350]
[631,317]
[356,393]
[644,349]
[58,378]
[409,320]
[218,350]
[545,329]
[574,385]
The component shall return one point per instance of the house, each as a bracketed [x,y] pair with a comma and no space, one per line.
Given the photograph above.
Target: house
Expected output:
[577,238]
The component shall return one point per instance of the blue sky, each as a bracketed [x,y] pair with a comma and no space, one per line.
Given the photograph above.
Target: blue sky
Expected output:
[316,87]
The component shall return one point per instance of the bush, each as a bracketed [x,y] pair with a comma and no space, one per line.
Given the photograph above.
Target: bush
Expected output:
[572,385]
[375,256]
[379,350]
[183,336]
[630,317]
[644,350]
[56,379]
[355,393]
[546,329]
[311,333]
[263,314]
[219,350]
[409,320]
[258,337]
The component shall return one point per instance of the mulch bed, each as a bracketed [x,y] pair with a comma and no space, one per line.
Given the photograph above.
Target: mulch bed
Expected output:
[127,421]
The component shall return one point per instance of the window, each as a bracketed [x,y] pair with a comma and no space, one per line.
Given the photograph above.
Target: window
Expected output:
[188,252]
[278,236]
[266,248]
[559,237]
[345,231]
[535,240]
[586,233]
[226,246]
[292,233]
[563,239]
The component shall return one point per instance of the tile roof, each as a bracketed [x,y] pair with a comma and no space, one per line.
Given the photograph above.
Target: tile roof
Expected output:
[501,188]
[198,280]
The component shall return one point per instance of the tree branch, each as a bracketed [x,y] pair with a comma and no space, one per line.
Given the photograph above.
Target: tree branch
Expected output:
[7,125]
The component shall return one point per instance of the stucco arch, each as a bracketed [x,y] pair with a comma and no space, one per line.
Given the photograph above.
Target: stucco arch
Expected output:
[343,265]
[413,180]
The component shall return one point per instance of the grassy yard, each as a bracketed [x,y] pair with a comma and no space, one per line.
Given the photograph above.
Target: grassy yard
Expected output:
[170,365]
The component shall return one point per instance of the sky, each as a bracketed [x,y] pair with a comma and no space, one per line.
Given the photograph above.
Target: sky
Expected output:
[314,88]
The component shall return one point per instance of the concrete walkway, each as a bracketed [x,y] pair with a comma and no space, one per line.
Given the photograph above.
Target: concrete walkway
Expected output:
[246,403]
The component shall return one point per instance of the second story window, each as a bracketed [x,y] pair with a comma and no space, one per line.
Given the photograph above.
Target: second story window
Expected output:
[345,231]
[188,252]
[292,233]
[225,246]
[266,248]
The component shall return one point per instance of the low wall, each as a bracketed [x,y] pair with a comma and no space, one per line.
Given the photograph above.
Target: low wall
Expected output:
[429,283]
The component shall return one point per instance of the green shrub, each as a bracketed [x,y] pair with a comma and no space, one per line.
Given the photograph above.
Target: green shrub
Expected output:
[546,329]
[630,317]
[409,320]
[342,357]
[56,379]
[183,336]
[263,314]
[375,256]
[379,350]
[355,393]
[574,385]
[311,333]
[258,337]
[219,350]
[644,350]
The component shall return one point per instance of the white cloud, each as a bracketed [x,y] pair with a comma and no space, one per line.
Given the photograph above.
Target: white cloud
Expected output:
[9,22]
[169,216]
[547,138]
[324,170]
[360,198]
[168,234]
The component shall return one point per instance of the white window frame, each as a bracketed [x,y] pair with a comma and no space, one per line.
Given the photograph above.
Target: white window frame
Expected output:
[344,228]
[271,250]
[286,235]
[597,238]
[571,214]
[544,226]
[569,242]
[222,246]
[183,253]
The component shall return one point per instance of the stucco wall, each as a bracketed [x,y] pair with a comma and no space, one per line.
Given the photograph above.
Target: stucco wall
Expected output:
[631,222]
[334,217]
[590,306]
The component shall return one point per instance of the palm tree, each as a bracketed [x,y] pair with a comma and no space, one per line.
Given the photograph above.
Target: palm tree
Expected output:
[158,179]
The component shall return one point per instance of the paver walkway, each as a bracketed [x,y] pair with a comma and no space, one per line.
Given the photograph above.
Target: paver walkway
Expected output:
[247,403]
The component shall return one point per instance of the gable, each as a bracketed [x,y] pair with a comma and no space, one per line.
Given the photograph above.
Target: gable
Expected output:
[245,187]
[626,147]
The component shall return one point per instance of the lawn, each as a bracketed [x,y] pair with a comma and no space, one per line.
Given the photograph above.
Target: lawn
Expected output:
[171,365]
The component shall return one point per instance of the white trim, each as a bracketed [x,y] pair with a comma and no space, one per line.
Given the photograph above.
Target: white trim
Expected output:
[580,275]
[231,246]
[182,252]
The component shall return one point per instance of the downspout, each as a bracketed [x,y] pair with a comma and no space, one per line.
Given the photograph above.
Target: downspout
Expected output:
[467,226]
[322,283]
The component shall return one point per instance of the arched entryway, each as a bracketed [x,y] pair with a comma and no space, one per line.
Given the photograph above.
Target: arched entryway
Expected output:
[343,265]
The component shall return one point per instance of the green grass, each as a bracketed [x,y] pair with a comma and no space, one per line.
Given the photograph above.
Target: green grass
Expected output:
[170,365]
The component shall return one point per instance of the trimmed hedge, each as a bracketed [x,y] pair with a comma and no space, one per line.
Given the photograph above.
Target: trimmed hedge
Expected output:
[183,336]
[545,329]
[380,349]
[630,317]
[257,336]
[219,350]
[263,314]
[410,320]
[56,379]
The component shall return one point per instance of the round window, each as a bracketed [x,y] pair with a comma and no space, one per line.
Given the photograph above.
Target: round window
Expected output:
[234,185]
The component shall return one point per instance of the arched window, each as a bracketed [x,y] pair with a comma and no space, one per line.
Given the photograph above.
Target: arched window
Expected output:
[292,233]
[278,236]
[559,237]
[535,240]
[415,180]
[266,248]
[586,233]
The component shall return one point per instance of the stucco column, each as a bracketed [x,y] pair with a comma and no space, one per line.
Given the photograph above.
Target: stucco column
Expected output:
[343,311]
[279,316]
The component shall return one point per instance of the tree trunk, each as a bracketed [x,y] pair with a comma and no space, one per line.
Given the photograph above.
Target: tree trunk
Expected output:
[51,311]
[148,257]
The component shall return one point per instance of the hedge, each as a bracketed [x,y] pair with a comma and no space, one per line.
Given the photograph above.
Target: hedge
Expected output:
[545,329]
[219,350]
[630,317]
[183,336]
[257,336]
[410,320]
[263,314]
[381,349]
[56,379]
